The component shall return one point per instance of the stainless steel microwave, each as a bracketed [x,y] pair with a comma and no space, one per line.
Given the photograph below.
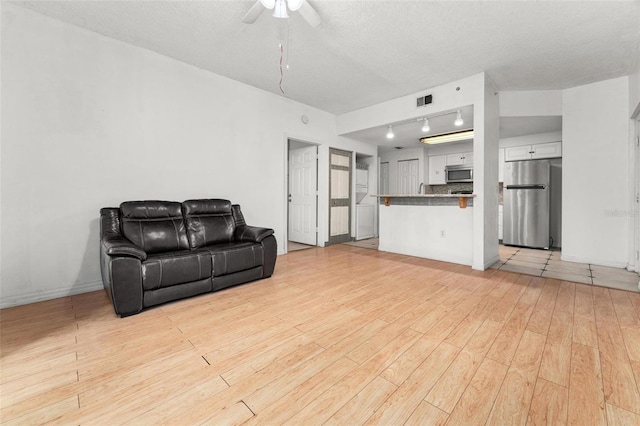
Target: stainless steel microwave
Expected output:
[460,173]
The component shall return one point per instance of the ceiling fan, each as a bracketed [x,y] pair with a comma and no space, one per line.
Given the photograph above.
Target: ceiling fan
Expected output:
[280,10]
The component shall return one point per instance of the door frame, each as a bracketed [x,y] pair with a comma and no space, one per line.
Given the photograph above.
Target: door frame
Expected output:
[635,211]
[287,148]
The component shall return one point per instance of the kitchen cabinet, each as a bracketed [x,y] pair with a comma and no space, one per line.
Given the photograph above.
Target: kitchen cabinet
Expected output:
[533,152]
[437,163]
[547,150]
[459,159]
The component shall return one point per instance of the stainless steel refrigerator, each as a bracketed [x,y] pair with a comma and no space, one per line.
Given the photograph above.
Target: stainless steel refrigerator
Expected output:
[526,203]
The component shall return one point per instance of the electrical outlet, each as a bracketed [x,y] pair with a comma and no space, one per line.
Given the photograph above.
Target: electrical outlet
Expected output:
[442,233]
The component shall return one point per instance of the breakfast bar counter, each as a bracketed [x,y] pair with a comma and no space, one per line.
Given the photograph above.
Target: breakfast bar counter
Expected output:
[432,226]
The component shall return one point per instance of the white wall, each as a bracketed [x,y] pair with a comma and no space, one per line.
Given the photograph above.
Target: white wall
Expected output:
[401,155]
[90,122]
[449,148]
[531,103]
[595,173]
[634,93]
[417,231]
[531,139]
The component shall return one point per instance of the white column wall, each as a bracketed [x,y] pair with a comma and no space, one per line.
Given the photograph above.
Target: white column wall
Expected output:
[486,178]
[595,173]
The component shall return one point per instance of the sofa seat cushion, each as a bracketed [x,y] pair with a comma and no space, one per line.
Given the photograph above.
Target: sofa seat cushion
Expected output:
[168,269]
[228,258]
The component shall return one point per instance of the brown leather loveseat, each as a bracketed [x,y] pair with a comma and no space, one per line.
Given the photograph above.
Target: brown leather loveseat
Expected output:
[154,252]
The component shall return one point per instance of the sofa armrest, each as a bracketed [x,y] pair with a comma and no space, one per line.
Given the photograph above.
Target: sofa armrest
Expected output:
[253,234]
[116,245]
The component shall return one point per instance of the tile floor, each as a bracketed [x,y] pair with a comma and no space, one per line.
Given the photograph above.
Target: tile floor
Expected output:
[546,263]
[369,243]
[293,246]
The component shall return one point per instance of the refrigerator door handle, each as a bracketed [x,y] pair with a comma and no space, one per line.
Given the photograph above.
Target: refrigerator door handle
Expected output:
[526,187]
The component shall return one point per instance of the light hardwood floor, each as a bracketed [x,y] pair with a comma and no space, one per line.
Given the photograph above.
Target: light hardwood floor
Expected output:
[341,335]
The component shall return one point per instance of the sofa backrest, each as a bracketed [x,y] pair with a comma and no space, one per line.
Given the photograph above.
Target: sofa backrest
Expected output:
[154,226]
[208,222]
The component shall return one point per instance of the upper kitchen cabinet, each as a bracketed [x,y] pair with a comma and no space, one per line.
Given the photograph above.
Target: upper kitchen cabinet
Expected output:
[459,159]
[437,163]
[533,152]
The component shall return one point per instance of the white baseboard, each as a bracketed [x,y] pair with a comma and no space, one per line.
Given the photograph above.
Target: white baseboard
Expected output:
[40,296]
[490,263]
[424,253]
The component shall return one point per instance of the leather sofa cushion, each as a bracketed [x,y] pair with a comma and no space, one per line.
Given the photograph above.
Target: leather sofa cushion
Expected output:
[168,269]
[208,222]
[234,257]
[154,226]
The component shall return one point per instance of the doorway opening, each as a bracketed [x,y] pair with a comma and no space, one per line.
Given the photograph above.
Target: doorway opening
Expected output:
[302,184]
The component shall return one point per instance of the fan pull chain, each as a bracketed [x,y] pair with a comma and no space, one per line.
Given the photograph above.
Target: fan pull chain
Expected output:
[288,45]
[281,74]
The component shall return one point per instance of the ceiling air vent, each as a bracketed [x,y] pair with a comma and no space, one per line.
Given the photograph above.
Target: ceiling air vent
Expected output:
[424,100]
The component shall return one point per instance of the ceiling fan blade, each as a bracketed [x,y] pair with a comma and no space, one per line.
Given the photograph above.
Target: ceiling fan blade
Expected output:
[253,13]
[309,14]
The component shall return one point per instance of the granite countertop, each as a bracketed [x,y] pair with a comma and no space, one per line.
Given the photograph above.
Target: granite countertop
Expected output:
[425,195]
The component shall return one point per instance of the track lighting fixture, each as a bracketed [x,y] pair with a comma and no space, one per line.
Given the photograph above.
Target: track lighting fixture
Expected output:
[390,134]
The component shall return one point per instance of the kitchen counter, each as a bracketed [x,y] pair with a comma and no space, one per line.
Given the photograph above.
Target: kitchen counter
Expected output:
[424,195]
[463,200]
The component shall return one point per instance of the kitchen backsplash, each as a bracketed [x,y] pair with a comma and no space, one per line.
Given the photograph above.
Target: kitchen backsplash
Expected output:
[446,189]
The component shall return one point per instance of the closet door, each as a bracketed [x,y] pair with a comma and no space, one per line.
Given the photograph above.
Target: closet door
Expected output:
[339,196]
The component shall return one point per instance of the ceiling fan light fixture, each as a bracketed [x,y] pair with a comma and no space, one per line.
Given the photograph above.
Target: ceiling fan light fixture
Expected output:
[294,4]
[390,134]
[269,4]
[280,10]
[425,126]
[458,121]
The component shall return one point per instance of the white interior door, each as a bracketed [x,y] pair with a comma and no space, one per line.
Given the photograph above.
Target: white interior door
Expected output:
[303,172]
[339,196]
[408,176]
[384,178]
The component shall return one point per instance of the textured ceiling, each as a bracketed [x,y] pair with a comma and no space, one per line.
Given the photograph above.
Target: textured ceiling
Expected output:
[366,52]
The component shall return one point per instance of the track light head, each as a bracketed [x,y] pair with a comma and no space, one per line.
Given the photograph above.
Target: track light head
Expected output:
[390,134]
[458,122]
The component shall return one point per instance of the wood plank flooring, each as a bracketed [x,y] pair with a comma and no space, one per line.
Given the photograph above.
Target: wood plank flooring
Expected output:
[341,335]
